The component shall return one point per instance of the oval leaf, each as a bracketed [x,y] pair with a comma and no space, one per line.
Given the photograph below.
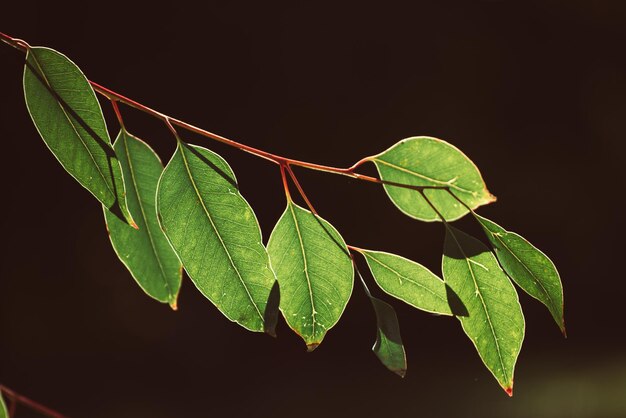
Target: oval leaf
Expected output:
[425,161]
[530,268]
[145,252]
[314,271]
[408,281]
[67,115]
[494,320]
[215,233]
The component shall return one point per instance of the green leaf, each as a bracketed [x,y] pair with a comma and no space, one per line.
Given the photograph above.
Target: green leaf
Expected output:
[388,346]
[531,269]
[67,115]
[494,320]
[314,271]
[408,281]
[4,413]
[215,234]
[431,162]
[145,252]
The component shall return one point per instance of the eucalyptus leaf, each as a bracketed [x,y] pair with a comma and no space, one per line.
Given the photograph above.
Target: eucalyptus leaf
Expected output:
[431,162]
[66,112]
[314,271]
[4,413]
[145,252]
[408,281]
[388,346]
[215,234]
[494,320]
[530,268]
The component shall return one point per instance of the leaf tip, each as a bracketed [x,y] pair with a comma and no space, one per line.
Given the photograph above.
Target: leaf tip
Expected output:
[134,224]
[509,390]
[400,372]
[311,346]
[174,304]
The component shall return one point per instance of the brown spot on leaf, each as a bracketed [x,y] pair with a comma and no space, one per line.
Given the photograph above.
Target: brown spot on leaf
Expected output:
[311,347]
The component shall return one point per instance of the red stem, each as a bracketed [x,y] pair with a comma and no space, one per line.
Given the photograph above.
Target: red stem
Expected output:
[16,397]
[285,183]
[300,190]
[171,122]
[118,114]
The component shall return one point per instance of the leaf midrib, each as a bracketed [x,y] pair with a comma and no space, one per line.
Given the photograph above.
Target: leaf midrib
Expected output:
[422,176]
[230,259]
[74,128]
[306,270]
[404,277]
[545,291]
[482,301]
[143,214]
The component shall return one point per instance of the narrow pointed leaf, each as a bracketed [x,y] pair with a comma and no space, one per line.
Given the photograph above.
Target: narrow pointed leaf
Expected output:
[530,268]
[314,271]
[426,161]
[408,281]
[145,252]
[388,346]
[494,320]
[4,413]
[67,115]
[215,234]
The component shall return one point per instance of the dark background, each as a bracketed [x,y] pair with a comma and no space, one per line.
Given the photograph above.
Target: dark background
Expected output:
[533,92]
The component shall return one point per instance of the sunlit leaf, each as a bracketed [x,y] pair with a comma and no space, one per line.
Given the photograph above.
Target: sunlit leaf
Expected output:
[408,281]
[145,252]
[215,233]
[67,115]
[531,269]
[425,161]
[494,320]
[314,271]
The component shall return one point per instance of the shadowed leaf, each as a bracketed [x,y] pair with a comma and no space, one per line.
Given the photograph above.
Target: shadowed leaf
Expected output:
[215,233]
[494,320]
[531,269]
[426,161]
[408,281]
[388,346]
[145,252]
[272,310]
[67,115]
[314,270]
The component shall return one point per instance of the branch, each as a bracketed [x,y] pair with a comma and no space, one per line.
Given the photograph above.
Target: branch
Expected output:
[115,97]
[35,406]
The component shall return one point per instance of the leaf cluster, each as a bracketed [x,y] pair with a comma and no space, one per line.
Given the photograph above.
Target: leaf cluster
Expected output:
[191,216]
